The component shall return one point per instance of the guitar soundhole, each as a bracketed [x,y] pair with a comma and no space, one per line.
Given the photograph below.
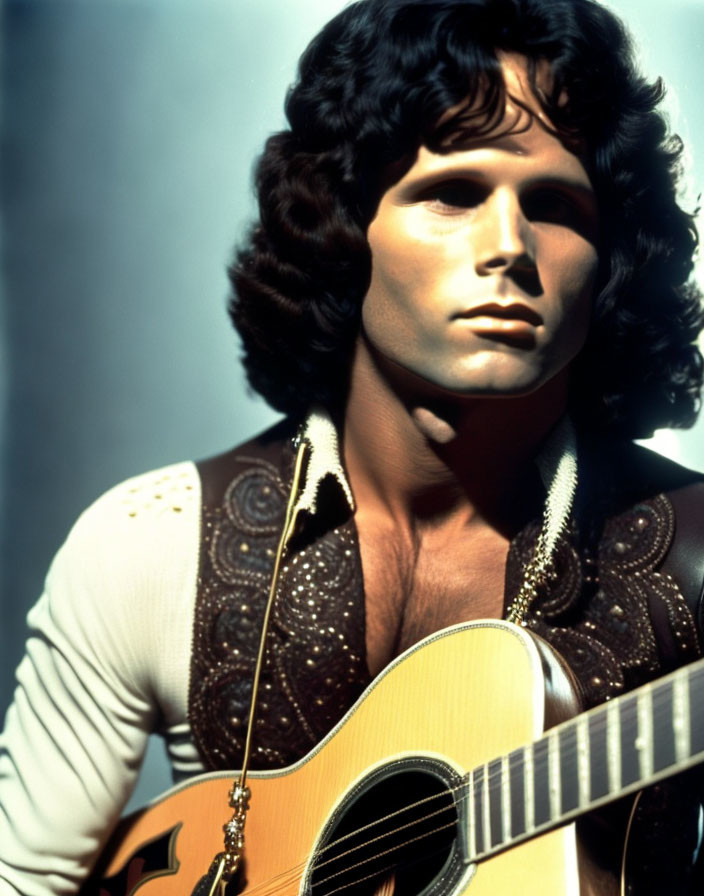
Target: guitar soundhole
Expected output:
[398,828]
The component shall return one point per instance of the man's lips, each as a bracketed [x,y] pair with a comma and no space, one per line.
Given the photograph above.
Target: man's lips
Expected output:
[512,323]
[511,311]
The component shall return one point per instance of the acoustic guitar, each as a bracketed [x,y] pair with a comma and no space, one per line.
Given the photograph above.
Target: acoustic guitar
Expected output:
[440,780]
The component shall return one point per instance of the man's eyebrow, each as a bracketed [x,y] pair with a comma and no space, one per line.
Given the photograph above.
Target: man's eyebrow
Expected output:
[507,141]
[460,171]
[574,184]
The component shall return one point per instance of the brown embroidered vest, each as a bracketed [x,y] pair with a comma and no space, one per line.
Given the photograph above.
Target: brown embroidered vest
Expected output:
[613,609]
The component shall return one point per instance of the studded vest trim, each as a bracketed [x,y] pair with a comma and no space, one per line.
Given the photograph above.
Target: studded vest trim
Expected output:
[606,610]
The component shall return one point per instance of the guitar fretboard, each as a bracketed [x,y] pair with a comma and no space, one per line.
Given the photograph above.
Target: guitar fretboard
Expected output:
[614,749]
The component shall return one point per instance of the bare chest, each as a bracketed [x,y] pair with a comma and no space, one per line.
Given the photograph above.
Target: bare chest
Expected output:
[415,589]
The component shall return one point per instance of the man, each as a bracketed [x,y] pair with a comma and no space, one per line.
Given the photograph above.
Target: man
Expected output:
[468,292]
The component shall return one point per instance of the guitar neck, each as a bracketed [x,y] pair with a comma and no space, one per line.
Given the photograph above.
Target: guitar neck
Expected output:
[612,750]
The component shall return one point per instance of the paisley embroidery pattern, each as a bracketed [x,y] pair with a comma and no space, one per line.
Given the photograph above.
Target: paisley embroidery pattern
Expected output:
[597,611]
[315,663]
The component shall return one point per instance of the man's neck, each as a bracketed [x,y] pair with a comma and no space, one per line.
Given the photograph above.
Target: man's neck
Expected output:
[419,458]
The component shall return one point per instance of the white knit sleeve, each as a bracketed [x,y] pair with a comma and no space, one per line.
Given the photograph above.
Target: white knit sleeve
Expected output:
[115,613]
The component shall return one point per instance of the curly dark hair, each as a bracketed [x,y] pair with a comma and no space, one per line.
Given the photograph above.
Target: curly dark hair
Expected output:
[372,87]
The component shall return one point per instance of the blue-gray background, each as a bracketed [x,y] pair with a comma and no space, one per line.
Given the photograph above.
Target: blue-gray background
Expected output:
[129,128]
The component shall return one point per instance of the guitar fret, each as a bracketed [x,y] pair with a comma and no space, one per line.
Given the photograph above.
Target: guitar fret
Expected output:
[680,716]
[528,787]
[471,818]
[569,770]
[613,744]
[644,741]
[663,726]
[554,774]
[629,739]
[598,728]
[541,782]
[505,800]
[495,790]
[516,762]
[583,763]
[478,791]
[486,809]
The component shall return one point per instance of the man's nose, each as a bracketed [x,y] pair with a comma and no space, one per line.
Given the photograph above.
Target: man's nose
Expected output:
[502,235]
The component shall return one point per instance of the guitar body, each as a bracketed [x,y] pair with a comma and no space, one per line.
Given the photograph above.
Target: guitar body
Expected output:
[461,697]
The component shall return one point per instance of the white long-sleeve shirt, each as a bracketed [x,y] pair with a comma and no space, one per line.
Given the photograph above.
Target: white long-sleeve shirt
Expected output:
[107,663]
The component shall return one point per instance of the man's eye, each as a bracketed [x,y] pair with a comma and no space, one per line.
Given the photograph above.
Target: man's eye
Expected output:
[453,196]
[554,208]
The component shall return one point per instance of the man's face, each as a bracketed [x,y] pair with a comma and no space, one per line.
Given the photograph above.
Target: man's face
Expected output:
[484,261]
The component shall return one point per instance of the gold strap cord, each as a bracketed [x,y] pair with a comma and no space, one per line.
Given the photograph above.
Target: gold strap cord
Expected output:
[226,863]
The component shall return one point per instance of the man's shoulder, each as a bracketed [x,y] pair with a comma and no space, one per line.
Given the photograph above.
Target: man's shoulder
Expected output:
[133,532]
[170,492]
[637,475]
[683,486]
[125,577]
[633,473]
[616,476]
[151,504]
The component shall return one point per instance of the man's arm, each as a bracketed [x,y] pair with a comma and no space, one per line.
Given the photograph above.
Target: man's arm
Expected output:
[104,665]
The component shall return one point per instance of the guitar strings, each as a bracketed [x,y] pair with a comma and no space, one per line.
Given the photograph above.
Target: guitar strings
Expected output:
[373,859]
[492,781]
[385,852]
[397,830]
[276,882]
[381,871]
[360,880]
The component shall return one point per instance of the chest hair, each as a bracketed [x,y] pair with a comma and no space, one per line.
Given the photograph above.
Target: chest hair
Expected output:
[415,586]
